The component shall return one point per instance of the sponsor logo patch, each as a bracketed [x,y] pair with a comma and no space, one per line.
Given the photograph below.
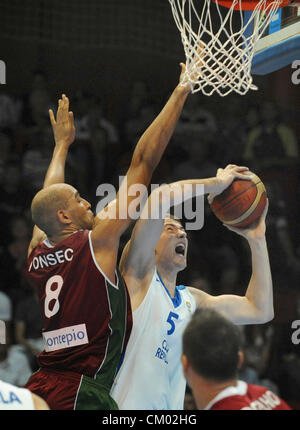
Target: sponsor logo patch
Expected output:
[65,337]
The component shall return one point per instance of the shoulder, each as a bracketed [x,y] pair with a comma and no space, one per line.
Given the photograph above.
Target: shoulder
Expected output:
[185,292]
[201,298]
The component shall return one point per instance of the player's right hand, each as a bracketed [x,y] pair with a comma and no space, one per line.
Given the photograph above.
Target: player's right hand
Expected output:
[255,231]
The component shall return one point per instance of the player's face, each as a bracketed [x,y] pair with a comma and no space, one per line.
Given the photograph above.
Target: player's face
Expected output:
[80,211]
[172,246]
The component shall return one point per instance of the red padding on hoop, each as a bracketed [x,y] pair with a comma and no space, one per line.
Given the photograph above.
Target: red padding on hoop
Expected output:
[247,4]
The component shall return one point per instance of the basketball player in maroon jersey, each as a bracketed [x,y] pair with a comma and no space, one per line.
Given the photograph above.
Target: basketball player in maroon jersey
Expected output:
[211,357]
[72,262]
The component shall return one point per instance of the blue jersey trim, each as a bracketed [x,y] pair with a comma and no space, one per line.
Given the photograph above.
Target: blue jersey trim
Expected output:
[176,300]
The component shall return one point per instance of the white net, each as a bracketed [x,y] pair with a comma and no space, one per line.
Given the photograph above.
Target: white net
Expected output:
[219,43]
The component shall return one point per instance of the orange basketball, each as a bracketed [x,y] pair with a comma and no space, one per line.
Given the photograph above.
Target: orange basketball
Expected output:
[241,203]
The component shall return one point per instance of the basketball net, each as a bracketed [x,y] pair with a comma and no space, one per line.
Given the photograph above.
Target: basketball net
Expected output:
[219,48]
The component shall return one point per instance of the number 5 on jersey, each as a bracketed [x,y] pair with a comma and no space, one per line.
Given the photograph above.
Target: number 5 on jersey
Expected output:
[172,316]
[52,295]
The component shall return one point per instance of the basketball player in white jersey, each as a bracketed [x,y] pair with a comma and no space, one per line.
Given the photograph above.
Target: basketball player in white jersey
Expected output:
[15,398]
[150,376]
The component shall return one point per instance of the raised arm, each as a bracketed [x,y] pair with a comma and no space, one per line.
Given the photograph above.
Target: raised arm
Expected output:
[256,306]
[64,134]
[138,257]
[146,157]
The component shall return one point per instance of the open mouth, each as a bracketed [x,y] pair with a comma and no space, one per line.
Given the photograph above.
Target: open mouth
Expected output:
[180,249]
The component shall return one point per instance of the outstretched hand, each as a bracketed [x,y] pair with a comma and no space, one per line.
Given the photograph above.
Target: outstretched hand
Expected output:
[63,126]
[255,231]
[185,83]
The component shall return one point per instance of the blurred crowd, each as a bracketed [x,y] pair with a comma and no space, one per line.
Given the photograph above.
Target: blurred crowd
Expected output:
[207,137]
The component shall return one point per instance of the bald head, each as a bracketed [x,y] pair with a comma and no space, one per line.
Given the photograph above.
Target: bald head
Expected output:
[47,203]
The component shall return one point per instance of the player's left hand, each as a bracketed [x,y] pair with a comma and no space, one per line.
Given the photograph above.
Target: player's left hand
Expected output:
[226,176]
[63,126]
[255,231]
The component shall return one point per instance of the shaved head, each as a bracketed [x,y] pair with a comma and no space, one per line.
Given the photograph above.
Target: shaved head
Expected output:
[47,202]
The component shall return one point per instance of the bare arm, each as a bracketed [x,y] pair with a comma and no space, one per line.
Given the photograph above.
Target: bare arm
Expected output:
[148,152]
[138,258]
[20,334]
[64,135]
[146,157]
[257,304]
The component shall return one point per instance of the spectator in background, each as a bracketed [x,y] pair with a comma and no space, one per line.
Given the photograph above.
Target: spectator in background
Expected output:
[37,153]
[14,195]
[34,137]
[271,143]
[256,346]
[39,100]
[28,327]
[135,126]
[103,160]
[196,133]
[196,118]
[90,116]
[5,150]
[230,138]
[198,162]
[10,111]
[14,366]
[5,316]
[97,144]
[283,248]
[272,152]
[138,97]
[14,257]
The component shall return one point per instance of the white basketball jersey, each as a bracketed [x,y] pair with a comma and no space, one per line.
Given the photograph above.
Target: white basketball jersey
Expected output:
[151,376]
[13,398]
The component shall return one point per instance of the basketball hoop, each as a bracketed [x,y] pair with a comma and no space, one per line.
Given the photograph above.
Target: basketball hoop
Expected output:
[219,43]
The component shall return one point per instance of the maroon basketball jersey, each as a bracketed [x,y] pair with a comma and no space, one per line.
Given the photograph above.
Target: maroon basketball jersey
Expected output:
[247,397]
[86,319]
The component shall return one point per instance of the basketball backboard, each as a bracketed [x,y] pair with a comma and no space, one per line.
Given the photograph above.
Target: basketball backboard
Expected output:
[280,45]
